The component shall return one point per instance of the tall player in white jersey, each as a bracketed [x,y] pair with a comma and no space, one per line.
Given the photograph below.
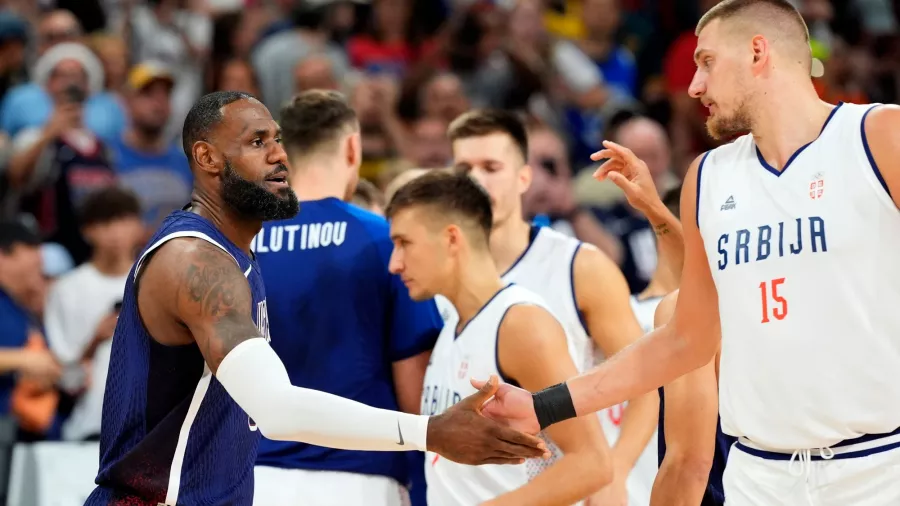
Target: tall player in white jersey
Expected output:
[583,287]
[792,234]
[440,226]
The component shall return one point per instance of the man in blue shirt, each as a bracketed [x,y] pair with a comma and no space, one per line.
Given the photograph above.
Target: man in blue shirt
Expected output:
[148,162]
[20,274]
[338,320]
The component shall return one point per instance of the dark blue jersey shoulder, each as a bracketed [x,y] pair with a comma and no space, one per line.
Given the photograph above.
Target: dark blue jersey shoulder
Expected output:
[170,432]
[338,321]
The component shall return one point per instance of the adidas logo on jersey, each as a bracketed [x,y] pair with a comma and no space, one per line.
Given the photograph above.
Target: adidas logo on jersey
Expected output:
[728,205]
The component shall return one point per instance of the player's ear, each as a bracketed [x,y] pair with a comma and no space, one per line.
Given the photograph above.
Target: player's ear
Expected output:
[207,158]
[353,147]
[525,176]
[453,236]
[759,48]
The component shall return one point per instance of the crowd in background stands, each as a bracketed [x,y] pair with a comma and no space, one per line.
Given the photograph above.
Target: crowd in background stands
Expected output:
[93,94]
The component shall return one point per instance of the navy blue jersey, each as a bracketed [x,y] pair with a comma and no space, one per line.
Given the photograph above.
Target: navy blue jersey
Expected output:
[715,493]
[170,431]
[638,243]
[339,320]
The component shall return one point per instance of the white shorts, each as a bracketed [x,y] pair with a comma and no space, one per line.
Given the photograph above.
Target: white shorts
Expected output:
[865,473]
[300,487]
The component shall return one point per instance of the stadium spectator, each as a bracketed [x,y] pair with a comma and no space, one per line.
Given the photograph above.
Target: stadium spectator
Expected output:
[147,161]
[82,306]
[20,275]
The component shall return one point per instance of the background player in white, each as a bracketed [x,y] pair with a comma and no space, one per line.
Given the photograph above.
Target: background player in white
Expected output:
[440,225]
[810,360]
[583,287]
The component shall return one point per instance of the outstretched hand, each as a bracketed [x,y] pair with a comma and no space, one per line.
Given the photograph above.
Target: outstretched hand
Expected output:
[629,173]
[462,434]
[511,406]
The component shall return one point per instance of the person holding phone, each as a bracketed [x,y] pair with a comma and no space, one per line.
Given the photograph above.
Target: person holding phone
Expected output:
[83,305]
[53,168]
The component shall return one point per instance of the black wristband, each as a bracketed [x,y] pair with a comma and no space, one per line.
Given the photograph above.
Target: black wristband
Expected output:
[553,404]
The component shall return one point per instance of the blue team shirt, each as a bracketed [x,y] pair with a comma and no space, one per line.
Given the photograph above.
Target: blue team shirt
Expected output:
[714,489]
[166,419]
[162,181]
[338,320]
[14,327]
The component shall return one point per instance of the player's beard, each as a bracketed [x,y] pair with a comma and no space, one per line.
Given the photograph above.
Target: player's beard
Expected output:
[251,200]
[720,126]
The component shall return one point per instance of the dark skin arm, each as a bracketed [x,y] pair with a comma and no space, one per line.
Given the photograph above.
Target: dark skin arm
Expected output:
[212,305]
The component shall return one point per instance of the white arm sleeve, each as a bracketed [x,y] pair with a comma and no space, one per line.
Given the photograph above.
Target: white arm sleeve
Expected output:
[256,379]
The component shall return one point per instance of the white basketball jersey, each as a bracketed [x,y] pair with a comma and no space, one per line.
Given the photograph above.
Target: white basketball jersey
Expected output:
[806,263]
[546,268]
[645,311]
[454,361]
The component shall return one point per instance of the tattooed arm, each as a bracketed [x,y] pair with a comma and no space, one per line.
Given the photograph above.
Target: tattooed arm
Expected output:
[213,302]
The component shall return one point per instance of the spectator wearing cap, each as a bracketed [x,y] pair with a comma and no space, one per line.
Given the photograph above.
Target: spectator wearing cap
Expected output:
[60,52]
[146,160]
[13,39]
[177,34]
[54,167]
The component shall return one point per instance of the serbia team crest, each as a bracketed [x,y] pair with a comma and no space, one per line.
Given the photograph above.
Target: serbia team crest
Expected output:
[817,186]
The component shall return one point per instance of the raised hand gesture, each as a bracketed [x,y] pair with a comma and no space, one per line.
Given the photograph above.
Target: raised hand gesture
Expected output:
[629,173]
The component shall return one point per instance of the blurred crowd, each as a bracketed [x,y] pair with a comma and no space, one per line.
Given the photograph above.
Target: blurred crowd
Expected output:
[93,94]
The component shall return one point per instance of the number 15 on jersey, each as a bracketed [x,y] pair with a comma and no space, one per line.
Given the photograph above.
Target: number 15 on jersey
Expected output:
[769,290]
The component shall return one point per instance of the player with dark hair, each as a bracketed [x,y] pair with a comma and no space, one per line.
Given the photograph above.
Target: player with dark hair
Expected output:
[20,274]
[441,226]
[82,306]
[342,323]
[193,380]
[791,240]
